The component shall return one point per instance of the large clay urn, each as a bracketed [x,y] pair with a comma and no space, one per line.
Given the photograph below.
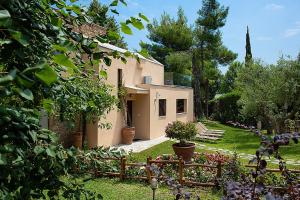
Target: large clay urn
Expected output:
[128,134]
[77,140]
[186,152]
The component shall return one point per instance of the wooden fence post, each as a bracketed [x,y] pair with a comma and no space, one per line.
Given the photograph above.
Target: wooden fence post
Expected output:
[180,169]
[123,168]
[219,169]
[148,171]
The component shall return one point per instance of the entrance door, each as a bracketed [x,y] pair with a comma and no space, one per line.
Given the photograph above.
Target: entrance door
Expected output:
[129,113]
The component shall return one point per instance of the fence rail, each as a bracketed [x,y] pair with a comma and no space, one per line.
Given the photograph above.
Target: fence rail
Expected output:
[181,167]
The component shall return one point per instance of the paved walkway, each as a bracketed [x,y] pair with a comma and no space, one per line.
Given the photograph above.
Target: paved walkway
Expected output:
[142,145]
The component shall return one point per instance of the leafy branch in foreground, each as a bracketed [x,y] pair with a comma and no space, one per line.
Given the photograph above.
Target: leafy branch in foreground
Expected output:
[253,186]
[41,51]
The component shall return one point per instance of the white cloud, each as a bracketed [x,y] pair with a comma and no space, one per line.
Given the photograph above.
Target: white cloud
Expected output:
[293,31]
[133,3]
[274,7]
[264,38]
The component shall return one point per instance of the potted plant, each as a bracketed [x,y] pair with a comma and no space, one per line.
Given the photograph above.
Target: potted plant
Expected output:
[182,132]
[128,131]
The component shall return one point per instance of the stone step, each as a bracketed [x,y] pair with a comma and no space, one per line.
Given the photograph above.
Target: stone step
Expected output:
[208,137]
[215,131]
[211,135]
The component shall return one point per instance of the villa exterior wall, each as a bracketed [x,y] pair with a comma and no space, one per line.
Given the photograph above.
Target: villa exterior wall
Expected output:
[134,72]
[171,94]
[145,107]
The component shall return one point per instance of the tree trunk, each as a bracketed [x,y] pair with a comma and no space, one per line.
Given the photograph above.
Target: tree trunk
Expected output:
[196,87]
[200,73]
[206,96]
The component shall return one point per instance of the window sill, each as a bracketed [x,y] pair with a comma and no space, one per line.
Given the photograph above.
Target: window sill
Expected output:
[162,117]
[180,114]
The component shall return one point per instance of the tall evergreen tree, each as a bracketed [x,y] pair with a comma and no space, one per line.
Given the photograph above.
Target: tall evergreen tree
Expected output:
[248,57]
[99,14]
[208,47]
[169,35]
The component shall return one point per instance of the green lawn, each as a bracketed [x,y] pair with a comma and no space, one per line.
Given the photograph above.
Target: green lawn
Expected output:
[235,139]
[243,141]
[113,189]
[163,148]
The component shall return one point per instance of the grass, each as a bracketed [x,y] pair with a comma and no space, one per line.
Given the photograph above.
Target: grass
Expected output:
[163,148]
[113,189]
[244,141]
[235,139]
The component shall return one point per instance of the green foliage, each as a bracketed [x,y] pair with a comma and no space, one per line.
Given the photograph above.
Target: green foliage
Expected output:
[42,66]
[99,15]
[248,56]
[168,35]
[232,170]
[209,47]
[31,160]
[181,131]
[225,107]
[212,75]
[228,81]
[270,93]
[30,156]
[122,102]
[179,62]
[79,95]
[178,79]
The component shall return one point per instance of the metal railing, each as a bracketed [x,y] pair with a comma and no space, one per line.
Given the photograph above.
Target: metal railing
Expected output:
[172,78]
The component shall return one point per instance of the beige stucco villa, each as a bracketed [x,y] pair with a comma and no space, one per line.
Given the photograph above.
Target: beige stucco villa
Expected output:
[152,105]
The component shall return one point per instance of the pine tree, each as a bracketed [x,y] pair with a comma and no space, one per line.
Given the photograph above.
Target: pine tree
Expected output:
[209,47]
[248,57]
[169,35]
[99,14]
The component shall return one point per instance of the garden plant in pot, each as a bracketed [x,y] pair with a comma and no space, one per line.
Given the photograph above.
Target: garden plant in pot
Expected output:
[128,131]
[183,132]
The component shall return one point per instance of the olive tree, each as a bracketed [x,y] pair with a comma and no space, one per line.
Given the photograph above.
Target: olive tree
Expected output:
[270,93]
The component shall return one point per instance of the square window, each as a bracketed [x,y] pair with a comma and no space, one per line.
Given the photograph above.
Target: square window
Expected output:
[180,105]
[162,107]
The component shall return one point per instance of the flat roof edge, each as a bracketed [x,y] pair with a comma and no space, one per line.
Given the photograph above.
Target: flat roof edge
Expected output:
[168,86]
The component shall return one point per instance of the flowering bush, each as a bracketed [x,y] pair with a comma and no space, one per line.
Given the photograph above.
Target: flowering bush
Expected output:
[198,174]
[240,125]
[210,158]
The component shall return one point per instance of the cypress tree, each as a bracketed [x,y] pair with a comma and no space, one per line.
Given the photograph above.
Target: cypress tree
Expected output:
[248,57]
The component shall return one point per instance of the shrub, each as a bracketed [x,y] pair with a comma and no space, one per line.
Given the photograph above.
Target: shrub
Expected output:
[225,108]
[181,131]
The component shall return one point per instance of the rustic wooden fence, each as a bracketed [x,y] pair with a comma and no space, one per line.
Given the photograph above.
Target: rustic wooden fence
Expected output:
[124,164]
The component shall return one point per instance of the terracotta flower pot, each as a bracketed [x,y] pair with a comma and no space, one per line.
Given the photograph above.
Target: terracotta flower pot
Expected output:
[77,140]
[128,134]
[186,152]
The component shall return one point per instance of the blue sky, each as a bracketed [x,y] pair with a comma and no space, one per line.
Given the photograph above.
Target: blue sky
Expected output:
[274,24]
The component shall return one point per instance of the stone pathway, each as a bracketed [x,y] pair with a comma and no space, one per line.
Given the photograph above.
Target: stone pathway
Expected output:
[246,156]
[141,145]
